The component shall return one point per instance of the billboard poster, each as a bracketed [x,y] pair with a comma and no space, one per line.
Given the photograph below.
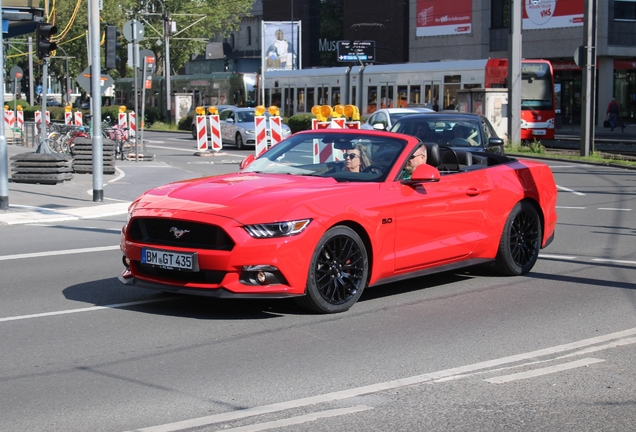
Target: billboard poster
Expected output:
[547,14]
[443,17]
[281,45]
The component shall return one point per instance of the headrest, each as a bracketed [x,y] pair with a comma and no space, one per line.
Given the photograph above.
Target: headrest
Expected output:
[432,154]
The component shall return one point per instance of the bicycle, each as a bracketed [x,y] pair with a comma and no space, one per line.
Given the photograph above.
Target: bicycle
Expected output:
[119,134]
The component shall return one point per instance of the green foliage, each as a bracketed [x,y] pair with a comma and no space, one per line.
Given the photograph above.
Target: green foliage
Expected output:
[535,147]
[186,122]
[300,122]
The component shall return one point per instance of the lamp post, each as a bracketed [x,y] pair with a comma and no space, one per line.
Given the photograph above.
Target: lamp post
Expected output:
[67,93]
[165,16]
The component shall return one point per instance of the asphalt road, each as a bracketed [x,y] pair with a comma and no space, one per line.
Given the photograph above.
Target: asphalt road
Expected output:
[553,350]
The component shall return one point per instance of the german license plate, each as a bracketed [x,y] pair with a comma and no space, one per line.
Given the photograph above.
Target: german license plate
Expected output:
[538,132]
[170,260]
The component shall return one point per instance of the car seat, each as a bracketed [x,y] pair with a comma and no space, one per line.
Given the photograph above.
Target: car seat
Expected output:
[432,154]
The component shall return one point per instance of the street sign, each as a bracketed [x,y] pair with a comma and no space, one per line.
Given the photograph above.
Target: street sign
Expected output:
[16,73]
[84,81]
[353,51]
[128,31]
[147,54]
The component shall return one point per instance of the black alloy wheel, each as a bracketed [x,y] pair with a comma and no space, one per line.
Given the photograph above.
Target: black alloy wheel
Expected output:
[338,272]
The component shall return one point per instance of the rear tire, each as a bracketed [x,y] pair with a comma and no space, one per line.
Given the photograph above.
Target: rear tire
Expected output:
[338,272]
[520,241]
[194,132]
[239,141]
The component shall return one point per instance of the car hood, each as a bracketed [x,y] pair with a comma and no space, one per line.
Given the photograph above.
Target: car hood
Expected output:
[248,197]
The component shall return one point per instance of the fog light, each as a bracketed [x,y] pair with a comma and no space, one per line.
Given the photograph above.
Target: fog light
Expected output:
[126,261]
[261,277]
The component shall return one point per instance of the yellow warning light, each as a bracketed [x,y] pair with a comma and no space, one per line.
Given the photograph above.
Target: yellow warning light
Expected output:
[213,110]
[273,110]
[19,107]
[122,108]
[200,110]
[338,110]
[352,112]
[325,111]
[67,108]
[315,110]
[6,107]
[260,110]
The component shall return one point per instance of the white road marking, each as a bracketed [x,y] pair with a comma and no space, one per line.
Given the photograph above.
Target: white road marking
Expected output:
[375,388]
[615,209]
[45,215]
[59,252]
[300,419]
[564,189]
[87,309]
[543,371]
[613,261]
[572,208]
[541,255]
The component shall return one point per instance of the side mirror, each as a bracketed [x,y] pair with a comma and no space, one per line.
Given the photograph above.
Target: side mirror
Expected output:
[492,142]
[379,126]
[247,161]
[229,120]
[425,173]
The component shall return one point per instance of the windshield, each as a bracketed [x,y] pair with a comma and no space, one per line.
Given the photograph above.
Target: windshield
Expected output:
[454,131]
[536,87]
[343,156]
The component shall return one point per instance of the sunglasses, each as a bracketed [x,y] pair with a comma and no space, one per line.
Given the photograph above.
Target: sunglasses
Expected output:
[416,155]
[350,156]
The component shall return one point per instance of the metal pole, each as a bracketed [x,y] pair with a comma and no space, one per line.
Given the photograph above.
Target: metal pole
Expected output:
[514,74]
[31,90]
[589,81]
[135,86]
[166,34]
[43,146]
[4,155]
[96,101]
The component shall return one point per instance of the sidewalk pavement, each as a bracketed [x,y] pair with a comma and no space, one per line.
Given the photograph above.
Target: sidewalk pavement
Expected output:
[70,200]
[73,200]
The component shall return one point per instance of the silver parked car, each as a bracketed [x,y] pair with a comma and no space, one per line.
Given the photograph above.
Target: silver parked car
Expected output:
[193,126]
[237,127]
[384,118]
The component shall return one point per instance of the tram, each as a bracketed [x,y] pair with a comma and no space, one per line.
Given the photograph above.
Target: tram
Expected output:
[222,88]
[432,85]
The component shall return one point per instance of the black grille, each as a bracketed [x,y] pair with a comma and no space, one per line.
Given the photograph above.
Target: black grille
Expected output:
[162,232]
[204,276]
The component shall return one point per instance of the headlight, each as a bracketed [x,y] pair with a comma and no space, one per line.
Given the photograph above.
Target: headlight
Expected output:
[131,209]
[277,229]
[250,132]
[524,124]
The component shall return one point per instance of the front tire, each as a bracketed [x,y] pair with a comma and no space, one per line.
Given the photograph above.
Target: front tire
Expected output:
[338,272]
[239,141]
[520,242]
[194,132]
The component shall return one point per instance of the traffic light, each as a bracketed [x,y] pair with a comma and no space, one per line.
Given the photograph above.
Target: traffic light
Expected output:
[111,46]
[43,38]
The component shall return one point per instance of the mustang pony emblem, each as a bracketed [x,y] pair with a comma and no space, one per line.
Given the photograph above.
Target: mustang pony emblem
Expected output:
[178,232]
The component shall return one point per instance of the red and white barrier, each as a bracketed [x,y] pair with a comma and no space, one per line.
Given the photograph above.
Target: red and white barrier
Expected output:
[9,119]
[276,130]
[337,123]
[215,132]
[20,120]
[202,133]
[325,152]
[38,117]
[122,121]
[352,125]
[261,134]
[68,118]
[132,120]
[78,118]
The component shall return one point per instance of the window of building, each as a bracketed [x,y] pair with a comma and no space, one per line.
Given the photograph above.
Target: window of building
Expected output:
[232,40]
[624,10]
[249,35]
[500,13]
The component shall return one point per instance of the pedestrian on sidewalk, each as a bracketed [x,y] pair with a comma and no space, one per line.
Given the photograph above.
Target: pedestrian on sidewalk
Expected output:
[612,113]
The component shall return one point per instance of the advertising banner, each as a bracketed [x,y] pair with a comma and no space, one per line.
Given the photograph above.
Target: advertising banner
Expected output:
[546,14]
[281,45]
[442,17]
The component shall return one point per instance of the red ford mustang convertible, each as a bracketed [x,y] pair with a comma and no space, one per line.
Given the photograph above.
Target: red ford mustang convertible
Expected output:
[326,213]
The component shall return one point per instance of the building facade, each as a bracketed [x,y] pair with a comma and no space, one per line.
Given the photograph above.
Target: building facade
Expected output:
[437,30]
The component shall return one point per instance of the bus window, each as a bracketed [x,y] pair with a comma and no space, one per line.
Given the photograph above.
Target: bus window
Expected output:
[300,103]
[402,99]
[276,98]
[387,95]
[311,98]
[372,99]
[335,96]
[353,100]
[323,95]
[415,94]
